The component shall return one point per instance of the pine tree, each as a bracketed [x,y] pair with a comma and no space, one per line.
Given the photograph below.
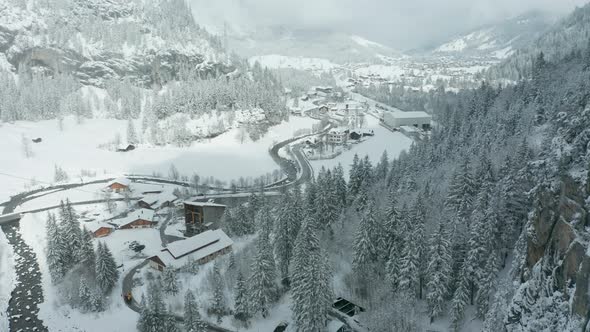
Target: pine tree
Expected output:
[131,133]
[105,268]
[262,280]
[439,271]
[96,301]
[54,250]
[218,301]
[170,282]
[71,235]
[86,250]
[459,302]
[241,308]
[311,281]
[284,240]
[355,178]
[85,295]
[382,167]
[192,317]
[486,285]
[366,241]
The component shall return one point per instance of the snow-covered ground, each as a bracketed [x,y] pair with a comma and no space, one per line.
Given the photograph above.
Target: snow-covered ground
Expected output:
[77,148]
[384,140]
[7,276]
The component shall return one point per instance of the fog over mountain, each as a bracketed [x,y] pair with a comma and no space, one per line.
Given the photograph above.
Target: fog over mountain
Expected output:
[399,24]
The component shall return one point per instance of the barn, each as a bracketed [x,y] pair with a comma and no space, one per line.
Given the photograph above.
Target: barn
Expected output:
[399,119]
[199,249]
[142,218]
[120,185]
[201,216]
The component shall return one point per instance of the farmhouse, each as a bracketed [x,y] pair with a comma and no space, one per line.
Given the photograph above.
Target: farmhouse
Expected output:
[199,249]
[416,119]
[99,229]
[202,216]
[157,200]
[142,218]
[337,135]
[120,185]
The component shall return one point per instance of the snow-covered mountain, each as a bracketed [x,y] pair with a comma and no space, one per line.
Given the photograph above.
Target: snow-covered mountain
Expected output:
[498,40]
[97,40]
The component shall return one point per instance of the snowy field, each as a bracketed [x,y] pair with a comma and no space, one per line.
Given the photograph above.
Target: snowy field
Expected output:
[7,275]
[384,140]
[77,148]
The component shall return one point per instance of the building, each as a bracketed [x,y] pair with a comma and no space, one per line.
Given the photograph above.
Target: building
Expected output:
[202,216]
[347,307]
[199,249]
[120,185]
[416,119]
[324,109]
[99,229]
[142,218]
[148,202]
[337,135]
[157,200]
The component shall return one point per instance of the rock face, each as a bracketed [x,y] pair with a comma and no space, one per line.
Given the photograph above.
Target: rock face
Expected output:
[99,40]
[558,235]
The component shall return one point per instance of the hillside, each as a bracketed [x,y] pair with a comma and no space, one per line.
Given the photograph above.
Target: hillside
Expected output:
[96,40]
[498,40]
[571,34]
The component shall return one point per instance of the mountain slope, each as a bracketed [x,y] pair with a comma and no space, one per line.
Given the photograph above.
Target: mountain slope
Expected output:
[566,36]
[98,40]
[498,40]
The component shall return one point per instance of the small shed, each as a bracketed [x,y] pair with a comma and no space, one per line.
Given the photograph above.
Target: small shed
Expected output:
[347,307]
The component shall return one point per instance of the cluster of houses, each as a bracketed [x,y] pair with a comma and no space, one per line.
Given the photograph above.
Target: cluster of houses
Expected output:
[205,242]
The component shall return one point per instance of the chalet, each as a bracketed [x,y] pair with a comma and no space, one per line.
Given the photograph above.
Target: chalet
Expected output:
[142,218]
[201,216]
[99,229]
[324,109]
[324,89]
[120,185]
[199,249]
[126,148]
[337,135]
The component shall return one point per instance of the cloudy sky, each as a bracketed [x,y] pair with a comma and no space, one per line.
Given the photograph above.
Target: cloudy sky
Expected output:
[401,24]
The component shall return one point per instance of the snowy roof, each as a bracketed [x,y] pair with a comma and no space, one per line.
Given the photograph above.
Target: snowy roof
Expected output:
[194,248]
[123,181]
[93,227]
[410,115]
[145,214]
[334,325]
[149,200]
[157,199]
[339,130]
[203,204]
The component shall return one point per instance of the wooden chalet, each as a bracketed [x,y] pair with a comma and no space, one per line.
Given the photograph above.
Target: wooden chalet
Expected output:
[120,185]
[199,249]
[142,218]
[100,229]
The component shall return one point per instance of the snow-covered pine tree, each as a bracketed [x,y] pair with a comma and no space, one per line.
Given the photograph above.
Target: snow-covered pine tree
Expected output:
[218,306]
[170,282]
[418,236]
[131,133]
[105,268]
[192,317]
[241,307]
[262,280]
[439,271]
[487,285]
[355,178]
[339,184]
[86,252]
[54,249]
[367,240]
[85,295]
[382,167]
[283,240]
[70,231]
[460,301]
[311,282]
